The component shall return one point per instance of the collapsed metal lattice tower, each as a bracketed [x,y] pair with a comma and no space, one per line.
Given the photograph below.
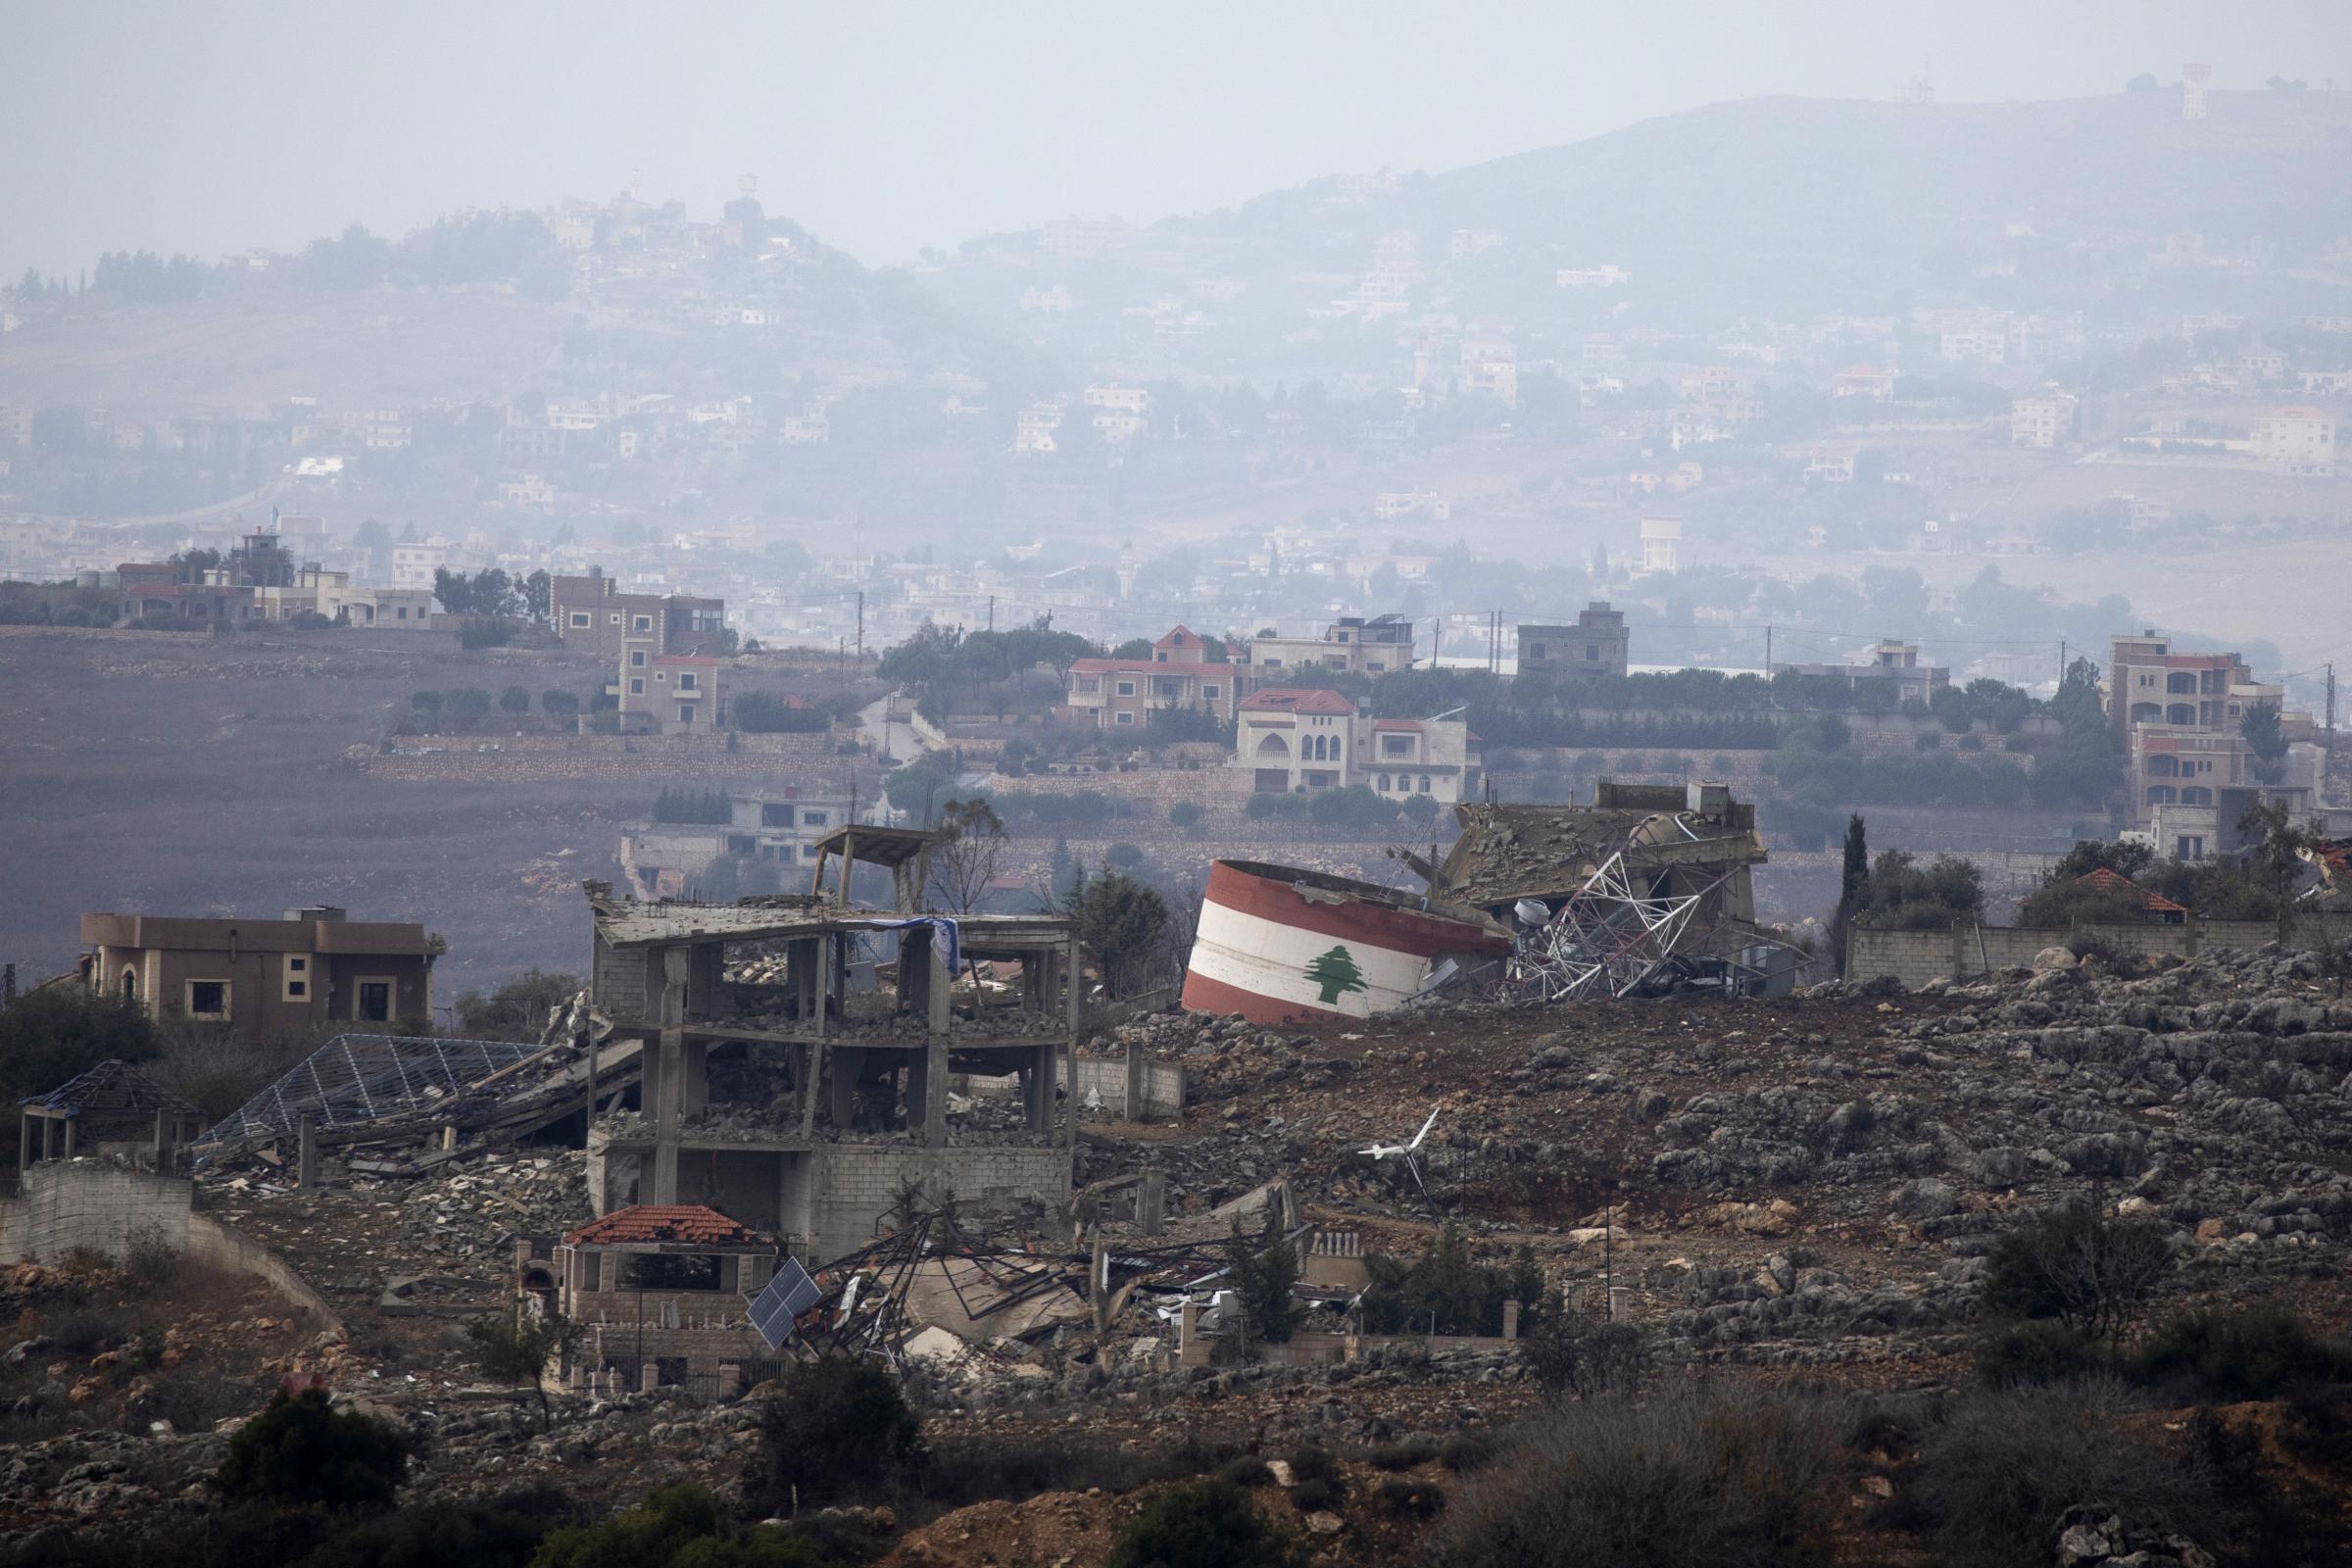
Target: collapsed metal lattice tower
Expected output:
[1606,938]
[359,1078]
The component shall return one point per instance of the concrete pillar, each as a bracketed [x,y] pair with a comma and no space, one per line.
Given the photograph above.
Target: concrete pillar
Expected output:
[306,1163]
[841,1093]
[1073,987]
[71,1123]
[522,1255]
[935,1045]
[1510,1318]
[917,1090]
[1098,1289]
[24,1121]
[1037,1090]
[695,1090]
[668,1103]
[1133,1110]
[1152,1201]
[730,1379]
[1191,1348]
[649,1377]
[814,1076]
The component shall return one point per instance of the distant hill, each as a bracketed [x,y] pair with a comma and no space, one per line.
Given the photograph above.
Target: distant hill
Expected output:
[1782,203]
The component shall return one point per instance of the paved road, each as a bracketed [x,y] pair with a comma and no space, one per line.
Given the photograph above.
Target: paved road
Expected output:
[887,733]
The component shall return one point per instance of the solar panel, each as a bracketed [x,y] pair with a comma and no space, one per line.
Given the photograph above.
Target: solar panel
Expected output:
[790,1293]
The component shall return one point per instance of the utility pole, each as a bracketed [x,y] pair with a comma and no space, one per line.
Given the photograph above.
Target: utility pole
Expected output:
[2330,741]
[1768,650]
[862,631]
[991,612]
[2060,661]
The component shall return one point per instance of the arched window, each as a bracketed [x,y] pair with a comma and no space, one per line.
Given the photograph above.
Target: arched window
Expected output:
[1384,783]
[2164,766]
[1274,746]
[2161,795]
[2197,795]
[2146,713]
[1425,783]
[131,984]
[2180,714]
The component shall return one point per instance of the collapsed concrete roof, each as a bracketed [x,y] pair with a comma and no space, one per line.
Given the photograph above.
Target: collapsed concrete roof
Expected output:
[1509,852]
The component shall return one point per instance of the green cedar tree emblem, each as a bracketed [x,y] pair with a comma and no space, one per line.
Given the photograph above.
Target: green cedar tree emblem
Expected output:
[1336,971]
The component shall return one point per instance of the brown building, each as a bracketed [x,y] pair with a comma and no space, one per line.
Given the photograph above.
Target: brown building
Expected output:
[1596,645]
[265,979]
[667,694]
[593,615]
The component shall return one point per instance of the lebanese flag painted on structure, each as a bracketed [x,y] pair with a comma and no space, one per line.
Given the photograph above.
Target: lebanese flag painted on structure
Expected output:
[1286,946]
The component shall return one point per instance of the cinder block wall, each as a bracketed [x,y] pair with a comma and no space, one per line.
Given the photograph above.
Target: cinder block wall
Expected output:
[1915,958]
[859,1182]
[101,1208]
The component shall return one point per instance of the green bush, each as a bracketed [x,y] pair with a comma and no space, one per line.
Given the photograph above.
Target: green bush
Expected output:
[1186,814]
[684,1526]
[299,1450]
[839,1428]
[557,702]
[1204,1524]
[2254,1353]
[503,1532]
[1928,741]
[1691,1481]
[1124,856]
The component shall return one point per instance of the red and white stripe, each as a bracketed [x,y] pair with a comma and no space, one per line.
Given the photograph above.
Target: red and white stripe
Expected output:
[1258,937]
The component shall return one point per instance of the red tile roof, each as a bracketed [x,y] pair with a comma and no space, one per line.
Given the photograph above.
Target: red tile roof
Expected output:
[1298,699]
[662,1222]
[1413,726]
[2109,881]
[1146,667]
[1182,637]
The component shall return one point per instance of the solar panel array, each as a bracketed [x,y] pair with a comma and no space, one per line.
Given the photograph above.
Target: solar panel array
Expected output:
[790,1293]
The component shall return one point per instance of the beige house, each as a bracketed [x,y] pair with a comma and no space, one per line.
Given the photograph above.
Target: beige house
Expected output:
[1297,740]
[1351,645]
[662,1294]
[1120,694]
[265,979]
[2299,439]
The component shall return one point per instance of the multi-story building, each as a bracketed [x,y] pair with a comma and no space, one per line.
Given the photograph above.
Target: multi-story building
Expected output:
[1596,645]
[414,562]
[1661,542]
[2043,421]
[265,981]
[776,830]
[2300,439]
[1121,693]
[1301,739]
[593,615]
[1895,664]
[2188,769]
[1351,645]
[667,694]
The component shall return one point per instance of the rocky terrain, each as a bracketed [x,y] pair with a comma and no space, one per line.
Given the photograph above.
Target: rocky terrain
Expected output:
[1810,1186]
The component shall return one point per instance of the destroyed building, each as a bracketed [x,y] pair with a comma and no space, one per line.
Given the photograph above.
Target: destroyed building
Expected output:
[857,1018]
[1648,886]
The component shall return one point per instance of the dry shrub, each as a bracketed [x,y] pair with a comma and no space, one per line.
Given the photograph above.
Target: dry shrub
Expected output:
[1716,1479]
[2007,1462]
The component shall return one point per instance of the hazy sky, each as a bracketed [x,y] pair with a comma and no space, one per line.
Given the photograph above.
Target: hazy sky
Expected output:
[223,125]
